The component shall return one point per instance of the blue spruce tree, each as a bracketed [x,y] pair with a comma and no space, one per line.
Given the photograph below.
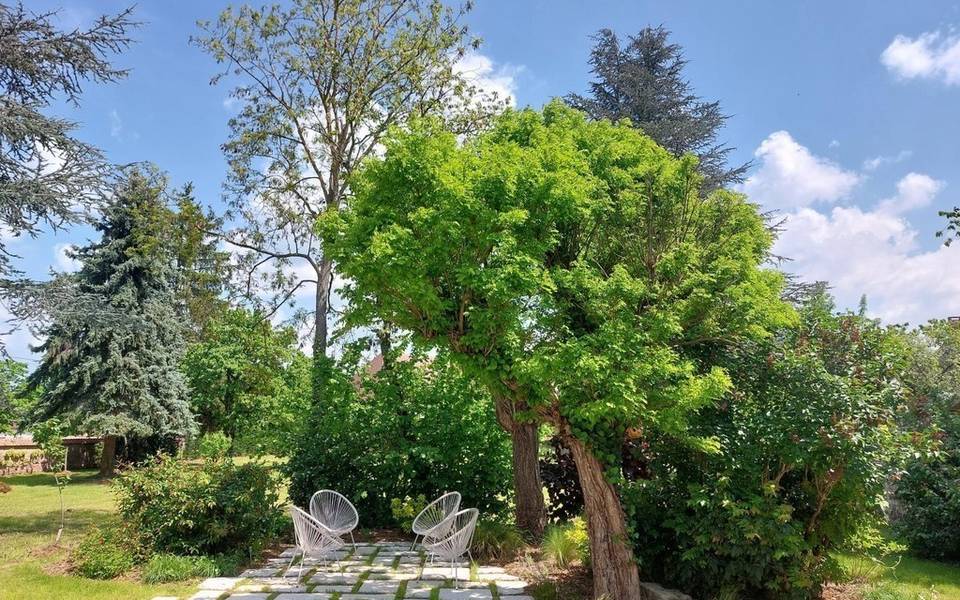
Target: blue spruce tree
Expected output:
[121,379]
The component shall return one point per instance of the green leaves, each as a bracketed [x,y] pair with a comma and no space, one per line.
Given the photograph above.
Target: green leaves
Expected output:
[577,259]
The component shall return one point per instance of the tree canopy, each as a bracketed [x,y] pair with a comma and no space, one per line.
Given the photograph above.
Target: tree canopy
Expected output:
[574,261]
[641,79]
[319,83]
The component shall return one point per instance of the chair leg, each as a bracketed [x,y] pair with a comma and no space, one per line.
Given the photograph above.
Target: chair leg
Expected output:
[293,557]
[300,571]
[455,565]
[352,541]
[414,544]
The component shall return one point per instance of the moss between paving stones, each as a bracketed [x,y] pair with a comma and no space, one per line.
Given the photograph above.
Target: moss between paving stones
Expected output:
[363,577]
[401,591]
[494,591]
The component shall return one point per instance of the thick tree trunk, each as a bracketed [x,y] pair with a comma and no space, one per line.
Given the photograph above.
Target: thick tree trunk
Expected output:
[531,513]
[321,309]
[108,458]
[615,574]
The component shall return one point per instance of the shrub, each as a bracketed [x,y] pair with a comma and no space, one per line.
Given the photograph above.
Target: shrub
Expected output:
[105,553]
[493,540]
[928,493]
[806,442]
[418,427]
[214,445]
[162,568]
[559,475]
[406,510]
[181,508]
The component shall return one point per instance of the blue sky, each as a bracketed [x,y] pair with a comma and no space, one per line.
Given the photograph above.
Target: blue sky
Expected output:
[849,111]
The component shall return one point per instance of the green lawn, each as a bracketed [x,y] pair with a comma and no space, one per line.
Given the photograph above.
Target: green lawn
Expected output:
[32,566]
[908,579]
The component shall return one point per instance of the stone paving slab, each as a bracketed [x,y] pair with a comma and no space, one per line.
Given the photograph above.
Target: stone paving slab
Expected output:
[366,572]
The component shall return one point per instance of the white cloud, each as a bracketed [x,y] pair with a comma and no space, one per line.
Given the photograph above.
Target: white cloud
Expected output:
[790,176]
[116,124]
[230,104]
[931,55]
[834,144]
[873,251]
[118,130]
[872,164]
[913,191]
[62,260]
[479,70]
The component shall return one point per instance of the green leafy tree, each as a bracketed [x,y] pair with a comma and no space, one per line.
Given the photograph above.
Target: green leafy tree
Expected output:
[15,399]
[319,83]
[121,380]
[641,79]
[48,177]
[571,266]
[204,268]
[928,490]
[240,376]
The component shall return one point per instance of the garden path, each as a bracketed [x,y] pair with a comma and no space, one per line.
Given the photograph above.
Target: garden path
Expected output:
[375,571]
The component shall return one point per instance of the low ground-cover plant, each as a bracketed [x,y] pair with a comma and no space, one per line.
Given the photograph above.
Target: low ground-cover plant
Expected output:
[493,540]
[106,552]
[215,507]
[565,543]
[162,568]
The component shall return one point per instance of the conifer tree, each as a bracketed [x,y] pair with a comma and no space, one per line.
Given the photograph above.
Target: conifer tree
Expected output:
[121,380]
[641,79]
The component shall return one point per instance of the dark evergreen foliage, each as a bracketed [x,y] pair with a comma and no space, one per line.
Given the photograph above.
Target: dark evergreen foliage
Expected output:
[642,80]
[123,379]
[47,177]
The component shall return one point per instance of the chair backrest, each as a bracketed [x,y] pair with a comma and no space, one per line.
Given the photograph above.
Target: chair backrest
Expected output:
[311,536]
[458,539]
[435,513]
[333,510]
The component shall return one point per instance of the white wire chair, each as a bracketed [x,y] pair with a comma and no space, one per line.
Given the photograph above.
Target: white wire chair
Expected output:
[312,538]
[456,543]
[335,512]
[433,521]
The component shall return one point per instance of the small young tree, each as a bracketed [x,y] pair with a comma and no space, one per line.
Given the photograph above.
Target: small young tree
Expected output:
[121,379]
[641,79]
[49,437]
[569,265]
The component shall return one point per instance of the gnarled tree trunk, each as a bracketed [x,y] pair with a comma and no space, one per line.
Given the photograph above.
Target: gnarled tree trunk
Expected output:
[108,457]
[615,574]
[531,513]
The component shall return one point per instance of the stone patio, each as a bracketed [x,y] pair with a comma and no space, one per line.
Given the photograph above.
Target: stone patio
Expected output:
[378,571]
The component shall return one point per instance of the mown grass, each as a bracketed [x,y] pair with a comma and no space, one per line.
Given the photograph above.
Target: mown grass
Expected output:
[33,566]
[905,578]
